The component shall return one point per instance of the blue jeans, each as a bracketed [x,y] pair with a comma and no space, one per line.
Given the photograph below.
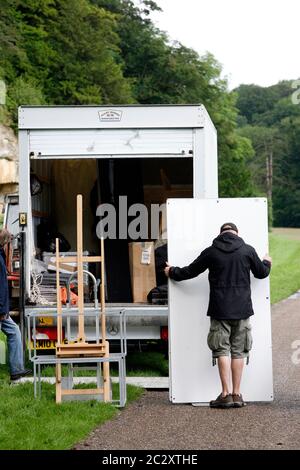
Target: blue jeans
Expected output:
[14,342]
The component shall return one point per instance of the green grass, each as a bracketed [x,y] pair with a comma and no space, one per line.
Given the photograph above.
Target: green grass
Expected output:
[40,424]
[285,273]
[147,364]
[32,424]
[291,233]
[1,220]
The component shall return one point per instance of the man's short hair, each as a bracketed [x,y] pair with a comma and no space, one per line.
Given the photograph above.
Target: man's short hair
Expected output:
[229,226]
[5,237]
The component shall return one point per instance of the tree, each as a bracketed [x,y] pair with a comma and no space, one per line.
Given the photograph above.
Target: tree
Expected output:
[67,50]
[109,51]
[88,66]
[23,91]
[287,188]
[274,135]
[162,71]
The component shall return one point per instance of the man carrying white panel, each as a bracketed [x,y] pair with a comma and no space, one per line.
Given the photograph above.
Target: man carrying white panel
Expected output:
[229,261]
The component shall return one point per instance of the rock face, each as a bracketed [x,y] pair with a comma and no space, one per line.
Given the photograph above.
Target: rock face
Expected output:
[8,162]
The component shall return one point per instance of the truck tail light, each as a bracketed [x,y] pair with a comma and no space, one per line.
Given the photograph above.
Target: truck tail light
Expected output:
[164,333]
[47,332]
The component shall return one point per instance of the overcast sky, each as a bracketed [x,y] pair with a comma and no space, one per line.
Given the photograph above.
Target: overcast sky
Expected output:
[256,41]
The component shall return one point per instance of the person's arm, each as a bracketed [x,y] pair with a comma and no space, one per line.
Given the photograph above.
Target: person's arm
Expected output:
[198,266]
[260,268]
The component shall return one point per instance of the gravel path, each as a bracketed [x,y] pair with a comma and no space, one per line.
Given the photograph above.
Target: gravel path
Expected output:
[153,422]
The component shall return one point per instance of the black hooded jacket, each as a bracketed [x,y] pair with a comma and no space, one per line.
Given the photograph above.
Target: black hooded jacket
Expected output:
[229,261]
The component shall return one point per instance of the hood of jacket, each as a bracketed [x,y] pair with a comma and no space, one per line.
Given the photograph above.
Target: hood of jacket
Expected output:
[228,242]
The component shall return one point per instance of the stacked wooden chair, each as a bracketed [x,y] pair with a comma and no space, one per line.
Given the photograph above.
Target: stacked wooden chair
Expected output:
[80,347]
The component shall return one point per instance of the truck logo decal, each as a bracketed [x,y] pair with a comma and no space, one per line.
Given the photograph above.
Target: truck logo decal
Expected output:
[110,115]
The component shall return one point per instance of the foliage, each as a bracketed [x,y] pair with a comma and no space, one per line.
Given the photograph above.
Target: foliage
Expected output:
[23,91]
[65,52]
[162,71]
[109,51]
[287,190]
[255,101]
[271,121]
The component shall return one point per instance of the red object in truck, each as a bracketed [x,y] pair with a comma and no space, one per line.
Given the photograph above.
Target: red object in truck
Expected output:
[164,333]
[47,332]
[12,264]
[64,296]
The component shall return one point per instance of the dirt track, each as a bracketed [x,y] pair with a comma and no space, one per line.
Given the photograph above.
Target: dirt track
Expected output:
[154,423]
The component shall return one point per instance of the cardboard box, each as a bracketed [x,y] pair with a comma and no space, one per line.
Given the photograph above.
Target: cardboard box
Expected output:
[142,269]
[67,267]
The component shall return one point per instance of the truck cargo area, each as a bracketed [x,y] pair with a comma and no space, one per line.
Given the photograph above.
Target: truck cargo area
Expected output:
[147,181]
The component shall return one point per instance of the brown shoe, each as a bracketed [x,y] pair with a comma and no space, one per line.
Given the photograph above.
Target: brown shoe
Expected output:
[222,402]
[238,401]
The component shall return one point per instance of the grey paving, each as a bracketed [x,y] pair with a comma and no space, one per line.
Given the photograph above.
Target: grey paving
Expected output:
[153,422]
[143,382]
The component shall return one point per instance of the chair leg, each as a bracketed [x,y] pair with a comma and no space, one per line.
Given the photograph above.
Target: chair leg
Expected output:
[106,375]
[58,383]
[34,379]
[40,384]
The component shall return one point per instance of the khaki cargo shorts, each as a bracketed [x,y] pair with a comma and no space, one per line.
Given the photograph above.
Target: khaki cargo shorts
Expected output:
[227,337]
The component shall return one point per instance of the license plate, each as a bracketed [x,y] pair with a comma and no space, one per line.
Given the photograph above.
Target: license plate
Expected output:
[44,344]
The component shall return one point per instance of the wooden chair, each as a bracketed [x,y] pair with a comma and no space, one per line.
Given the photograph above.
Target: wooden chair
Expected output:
[81,347]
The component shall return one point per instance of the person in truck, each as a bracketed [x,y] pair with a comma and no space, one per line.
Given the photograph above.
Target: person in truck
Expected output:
[7,325]
[229,261]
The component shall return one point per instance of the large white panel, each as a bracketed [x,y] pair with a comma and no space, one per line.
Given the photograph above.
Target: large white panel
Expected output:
[95,142]
[192,225]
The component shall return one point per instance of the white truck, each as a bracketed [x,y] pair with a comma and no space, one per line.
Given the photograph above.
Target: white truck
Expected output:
[147,153]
